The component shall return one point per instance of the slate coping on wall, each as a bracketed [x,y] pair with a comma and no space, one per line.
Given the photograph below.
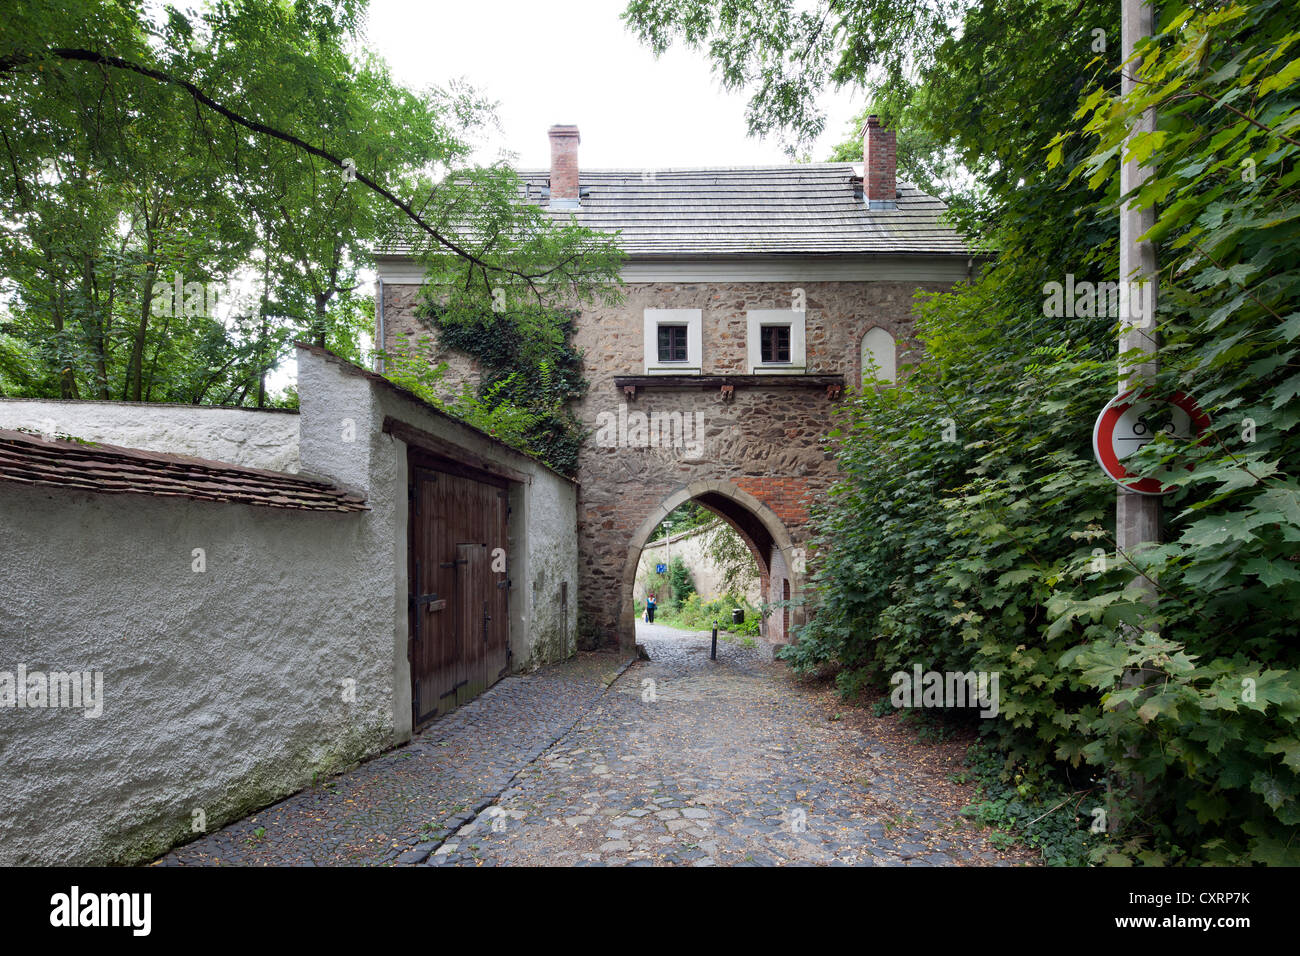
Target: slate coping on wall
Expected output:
[91,466]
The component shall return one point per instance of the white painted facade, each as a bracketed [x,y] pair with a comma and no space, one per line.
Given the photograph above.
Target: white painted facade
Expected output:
[284,659]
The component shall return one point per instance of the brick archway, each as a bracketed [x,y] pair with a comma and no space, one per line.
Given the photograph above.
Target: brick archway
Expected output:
[759,527]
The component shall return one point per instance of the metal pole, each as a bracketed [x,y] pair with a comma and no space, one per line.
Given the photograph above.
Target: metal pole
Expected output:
[1137,517]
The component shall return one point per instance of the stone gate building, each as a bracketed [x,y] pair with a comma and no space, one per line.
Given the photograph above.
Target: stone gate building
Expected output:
[754,296]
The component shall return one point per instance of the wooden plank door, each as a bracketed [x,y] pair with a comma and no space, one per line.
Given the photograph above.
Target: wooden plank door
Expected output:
[459,628]
[471,572]
[497,645]
[432,629]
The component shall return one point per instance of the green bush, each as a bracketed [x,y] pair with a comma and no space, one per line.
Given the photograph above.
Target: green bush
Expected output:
[680,585]
[697,615]
[1042,810]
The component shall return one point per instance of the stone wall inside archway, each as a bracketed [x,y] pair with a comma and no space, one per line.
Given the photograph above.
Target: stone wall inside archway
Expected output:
[774,549]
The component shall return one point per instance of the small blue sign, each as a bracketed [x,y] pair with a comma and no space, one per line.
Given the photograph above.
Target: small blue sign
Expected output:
[661,569]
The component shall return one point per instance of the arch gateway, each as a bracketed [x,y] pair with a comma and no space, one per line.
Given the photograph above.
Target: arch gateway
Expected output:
[754,296]
[780,563]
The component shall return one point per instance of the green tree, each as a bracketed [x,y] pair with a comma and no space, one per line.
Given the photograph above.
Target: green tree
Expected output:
[680,584]
[254,145]
[737,569]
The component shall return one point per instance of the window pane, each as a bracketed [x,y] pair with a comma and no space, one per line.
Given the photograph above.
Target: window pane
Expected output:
[774,343]
[672,343]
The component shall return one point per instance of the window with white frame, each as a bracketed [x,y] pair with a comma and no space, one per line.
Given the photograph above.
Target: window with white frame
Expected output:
[776,341]
[673,341]
[879,357]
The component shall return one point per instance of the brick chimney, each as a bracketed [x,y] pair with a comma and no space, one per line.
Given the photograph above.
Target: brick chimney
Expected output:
[879,166]
[564,167]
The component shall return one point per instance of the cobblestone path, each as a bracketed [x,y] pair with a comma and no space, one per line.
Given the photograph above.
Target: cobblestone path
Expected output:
[681,761]
[688,761]
[398,806]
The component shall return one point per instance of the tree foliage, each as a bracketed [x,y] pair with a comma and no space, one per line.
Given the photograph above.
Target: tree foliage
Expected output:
[737,569]
[680,584]
[255,148]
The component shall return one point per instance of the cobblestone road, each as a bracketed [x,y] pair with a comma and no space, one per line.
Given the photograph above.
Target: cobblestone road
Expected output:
[399,806]
[688,761]
[682,761]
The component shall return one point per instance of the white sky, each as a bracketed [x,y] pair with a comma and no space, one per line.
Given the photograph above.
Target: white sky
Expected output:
[574,61]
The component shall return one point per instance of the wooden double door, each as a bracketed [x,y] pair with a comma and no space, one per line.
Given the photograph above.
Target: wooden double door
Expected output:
[459,598]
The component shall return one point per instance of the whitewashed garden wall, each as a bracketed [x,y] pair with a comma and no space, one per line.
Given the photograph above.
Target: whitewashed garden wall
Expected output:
[282,658]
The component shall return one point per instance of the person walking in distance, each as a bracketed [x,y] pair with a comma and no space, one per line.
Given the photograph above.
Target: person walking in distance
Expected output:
[650,608]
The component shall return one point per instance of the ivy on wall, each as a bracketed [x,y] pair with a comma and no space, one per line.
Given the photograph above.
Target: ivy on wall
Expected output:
[530,374]
[527,361]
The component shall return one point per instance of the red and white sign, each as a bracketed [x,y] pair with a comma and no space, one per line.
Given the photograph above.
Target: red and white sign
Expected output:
[1127,423]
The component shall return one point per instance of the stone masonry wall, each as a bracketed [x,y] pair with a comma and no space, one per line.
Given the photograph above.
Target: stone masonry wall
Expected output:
[764,441]
[406,334]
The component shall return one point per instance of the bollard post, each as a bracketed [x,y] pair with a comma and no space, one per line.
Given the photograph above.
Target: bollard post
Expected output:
[713,651]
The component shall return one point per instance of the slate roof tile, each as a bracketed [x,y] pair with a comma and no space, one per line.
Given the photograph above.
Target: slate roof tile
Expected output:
[802,209]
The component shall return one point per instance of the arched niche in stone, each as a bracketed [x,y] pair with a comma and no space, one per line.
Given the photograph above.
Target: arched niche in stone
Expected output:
[879,357]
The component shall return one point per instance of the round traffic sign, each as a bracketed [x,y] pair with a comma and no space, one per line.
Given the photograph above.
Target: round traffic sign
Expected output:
[1128,422]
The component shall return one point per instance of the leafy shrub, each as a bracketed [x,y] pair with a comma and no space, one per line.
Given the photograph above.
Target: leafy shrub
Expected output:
[695,614]
[1040,810]
[680,585]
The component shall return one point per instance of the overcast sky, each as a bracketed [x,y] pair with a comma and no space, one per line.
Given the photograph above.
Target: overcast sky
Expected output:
[574,61]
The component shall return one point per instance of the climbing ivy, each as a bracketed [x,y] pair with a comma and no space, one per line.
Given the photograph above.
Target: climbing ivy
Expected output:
[530,372]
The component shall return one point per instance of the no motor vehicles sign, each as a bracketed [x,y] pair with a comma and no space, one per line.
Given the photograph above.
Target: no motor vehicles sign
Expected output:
[1132,419]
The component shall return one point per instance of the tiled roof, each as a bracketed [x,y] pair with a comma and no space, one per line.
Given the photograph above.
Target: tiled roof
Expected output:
[28,459]
[803,209]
